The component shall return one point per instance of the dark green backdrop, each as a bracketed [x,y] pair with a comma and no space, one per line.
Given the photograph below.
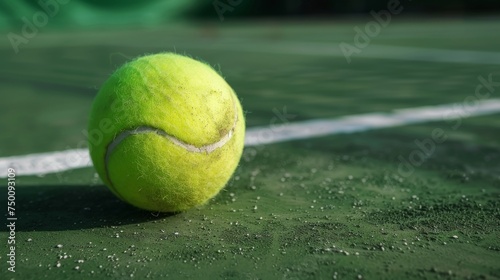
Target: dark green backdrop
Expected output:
[92,13]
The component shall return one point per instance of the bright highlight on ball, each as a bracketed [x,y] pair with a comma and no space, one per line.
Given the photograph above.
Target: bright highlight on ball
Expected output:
[172,132]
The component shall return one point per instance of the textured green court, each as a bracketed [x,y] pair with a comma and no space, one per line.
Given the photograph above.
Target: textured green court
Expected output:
[334,207]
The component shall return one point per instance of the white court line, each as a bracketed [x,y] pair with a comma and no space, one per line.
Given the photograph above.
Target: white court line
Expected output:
[430,55]
[326,49]
[371,51]
[54,162]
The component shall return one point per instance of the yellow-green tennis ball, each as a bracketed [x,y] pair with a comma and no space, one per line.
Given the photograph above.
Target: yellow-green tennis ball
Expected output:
[166,132]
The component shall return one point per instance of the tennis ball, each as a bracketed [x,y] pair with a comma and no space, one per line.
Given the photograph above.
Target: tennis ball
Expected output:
[166,132]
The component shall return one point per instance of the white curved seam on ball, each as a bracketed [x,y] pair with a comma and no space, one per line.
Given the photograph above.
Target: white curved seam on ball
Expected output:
[191,148]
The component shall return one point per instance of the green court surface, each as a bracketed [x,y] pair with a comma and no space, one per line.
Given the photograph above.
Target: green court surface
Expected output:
[334,207]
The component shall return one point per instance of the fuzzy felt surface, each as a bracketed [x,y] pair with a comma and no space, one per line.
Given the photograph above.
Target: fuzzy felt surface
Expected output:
[186,99]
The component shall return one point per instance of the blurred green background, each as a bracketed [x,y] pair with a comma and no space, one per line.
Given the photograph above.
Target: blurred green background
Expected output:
[95,13]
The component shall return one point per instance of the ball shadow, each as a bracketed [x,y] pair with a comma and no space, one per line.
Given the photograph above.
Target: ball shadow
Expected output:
[63,207]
